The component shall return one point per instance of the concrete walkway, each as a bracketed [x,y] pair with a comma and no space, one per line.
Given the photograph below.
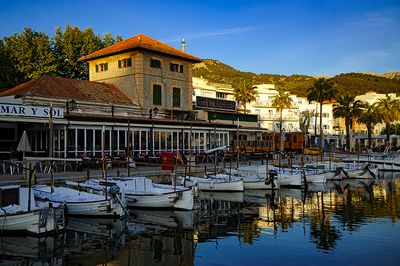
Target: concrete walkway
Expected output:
[155,172]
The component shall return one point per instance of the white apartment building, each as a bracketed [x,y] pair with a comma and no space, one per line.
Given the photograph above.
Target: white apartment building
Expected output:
[205,88]
[268,117]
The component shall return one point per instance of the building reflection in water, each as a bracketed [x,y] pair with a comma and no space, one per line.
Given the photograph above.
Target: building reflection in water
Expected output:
[323,213]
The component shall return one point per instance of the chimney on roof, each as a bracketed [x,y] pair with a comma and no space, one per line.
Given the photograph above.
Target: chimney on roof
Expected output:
[183,44]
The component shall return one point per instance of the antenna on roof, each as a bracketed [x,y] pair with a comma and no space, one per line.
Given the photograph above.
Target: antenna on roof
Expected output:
[183,44]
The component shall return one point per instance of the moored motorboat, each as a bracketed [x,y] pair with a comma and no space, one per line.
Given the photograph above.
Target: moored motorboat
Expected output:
[19,213]
[211,184]
[141,192]
[382,162]
[252,180]
[79,203]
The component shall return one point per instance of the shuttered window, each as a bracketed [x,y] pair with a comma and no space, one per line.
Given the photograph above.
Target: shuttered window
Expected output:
[155,63]
[126,62]
[176,68]
[176,97]
[156,94]
[102,67]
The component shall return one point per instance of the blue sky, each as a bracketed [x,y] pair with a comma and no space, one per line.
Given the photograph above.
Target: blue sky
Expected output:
[325,37]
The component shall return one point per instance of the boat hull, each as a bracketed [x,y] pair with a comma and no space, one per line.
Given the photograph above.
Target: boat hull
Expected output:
[174,200]
[37,222]
[141,192]
[79,204]
[316,178]
[290,180]
[259,184]
[209,184]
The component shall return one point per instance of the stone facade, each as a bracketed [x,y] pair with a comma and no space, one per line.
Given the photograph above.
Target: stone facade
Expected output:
[137,80]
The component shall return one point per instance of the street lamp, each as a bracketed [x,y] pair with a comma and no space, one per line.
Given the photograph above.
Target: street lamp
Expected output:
[153,112]
[70,105]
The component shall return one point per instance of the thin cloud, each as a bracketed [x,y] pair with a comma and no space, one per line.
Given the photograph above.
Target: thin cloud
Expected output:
[221,32]
[375,19]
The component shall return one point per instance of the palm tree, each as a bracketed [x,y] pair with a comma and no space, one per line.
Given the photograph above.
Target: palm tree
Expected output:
[347,107]
[244,93]
[321,92]
[281,101]
[389,109]
[370,117]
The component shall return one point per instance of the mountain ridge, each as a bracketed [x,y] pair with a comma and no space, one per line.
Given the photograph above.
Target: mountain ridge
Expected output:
[346,83]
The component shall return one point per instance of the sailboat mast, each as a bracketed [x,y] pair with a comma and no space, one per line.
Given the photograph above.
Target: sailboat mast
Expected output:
[51,147]
[237,144]
[128,149]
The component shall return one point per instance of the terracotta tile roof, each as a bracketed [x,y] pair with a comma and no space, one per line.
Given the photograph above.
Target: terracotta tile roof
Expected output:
[137,42]
[47,86]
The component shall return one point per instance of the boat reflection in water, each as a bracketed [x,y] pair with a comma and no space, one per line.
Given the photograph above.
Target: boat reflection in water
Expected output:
[323,224]
[19,250]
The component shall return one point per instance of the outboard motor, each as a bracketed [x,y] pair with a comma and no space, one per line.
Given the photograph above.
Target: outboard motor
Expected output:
[114,190]
[272,175]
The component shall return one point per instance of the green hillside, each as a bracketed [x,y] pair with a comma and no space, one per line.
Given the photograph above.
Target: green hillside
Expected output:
[349,83]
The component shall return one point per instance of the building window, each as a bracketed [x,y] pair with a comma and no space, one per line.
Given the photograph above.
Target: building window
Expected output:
[155,63]
[176,97]
[156,94]
[176,68]
[102,67]
[126,62]
[221,95]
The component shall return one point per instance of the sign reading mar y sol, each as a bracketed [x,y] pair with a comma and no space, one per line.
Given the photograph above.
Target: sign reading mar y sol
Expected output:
[26,110]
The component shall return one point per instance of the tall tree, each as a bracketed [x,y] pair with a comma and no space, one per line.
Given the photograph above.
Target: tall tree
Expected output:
[31,54]
[389,109]
[108,39]
[244,93]
[118,38]
[348,108]
[281,101]
[369,117]
[321,92]
[71,45]
[8,73]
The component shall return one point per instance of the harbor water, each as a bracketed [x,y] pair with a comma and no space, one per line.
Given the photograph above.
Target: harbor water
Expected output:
[343,223]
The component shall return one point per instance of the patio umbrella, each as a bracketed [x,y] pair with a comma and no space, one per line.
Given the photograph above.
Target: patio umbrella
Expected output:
[24,145]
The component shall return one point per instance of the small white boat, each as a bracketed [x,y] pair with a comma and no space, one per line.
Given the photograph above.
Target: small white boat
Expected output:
[290,180]
[79,203]
[19,214]
[252,179]
[383,163]
[251,182]
[211,184]
[141,192]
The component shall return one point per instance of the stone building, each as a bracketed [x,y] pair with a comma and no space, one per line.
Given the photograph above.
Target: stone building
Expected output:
[150,73]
